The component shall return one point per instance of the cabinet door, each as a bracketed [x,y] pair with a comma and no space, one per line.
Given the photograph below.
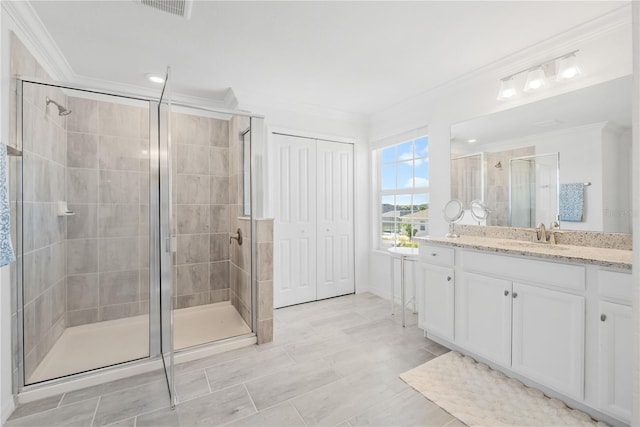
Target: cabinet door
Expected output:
[548,338]
[615,359]
[483,310]
[438,300]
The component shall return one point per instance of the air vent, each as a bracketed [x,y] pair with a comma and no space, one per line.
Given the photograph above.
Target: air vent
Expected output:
[174,7]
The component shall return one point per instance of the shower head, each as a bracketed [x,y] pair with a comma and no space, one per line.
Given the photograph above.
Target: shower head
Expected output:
[62,111]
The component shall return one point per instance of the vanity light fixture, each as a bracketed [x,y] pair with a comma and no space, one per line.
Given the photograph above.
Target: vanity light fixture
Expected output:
[567,68]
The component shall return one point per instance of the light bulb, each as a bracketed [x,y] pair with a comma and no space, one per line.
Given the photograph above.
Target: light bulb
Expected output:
[507,89]
[568,68]
[535,80]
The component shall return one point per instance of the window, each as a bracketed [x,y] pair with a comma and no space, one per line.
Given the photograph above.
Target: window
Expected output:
[404,192]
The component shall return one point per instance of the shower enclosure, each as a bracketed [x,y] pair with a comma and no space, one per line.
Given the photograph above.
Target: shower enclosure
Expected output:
[127,217]
[533,189]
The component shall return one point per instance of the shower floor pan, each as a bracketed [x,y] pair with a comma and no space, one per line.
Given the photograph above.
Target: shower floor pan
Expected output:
[86,347]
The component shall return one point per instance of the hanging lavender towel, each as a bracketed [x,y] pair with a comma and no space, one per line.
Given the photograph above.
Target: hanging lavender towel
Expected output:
[571,202]
[6,249]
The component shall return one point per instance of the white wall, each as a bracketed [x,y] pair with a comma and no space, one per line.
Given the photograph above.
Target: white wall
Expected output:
[605,47]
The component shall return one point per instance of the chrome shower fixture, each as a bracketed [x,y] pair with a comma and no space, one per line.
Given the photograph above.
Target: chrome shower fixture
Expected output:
[62,111]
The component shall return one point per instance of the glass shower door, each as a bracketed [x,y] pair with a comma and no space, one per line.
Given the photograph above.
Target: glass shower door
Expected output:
[167,246]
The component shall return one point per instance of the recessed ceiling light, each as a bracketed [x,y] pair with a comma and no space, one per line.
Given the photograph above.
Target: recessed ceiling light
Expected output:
[154,78]
[472,141]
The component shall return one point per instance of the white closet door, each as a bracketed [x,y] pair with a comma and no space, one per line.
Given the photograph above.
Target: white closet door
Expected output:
[335,219]
[294,204]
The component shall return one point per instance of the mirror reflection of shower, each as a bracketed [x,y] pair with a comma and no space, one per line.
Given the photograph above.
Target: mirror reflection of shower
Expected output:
[533,189]
[62,111]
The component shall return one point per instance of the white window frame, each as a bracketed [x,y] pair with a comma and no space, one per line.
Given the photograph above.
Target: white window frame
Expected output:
[379,193]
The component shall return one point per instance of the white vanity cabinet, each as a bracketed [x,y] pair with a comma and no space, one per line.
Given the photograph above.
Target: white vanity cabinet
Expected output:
[615,329]
[564,327]
[484,316]
[548,338]
[438,300]
[436,291]
[534,331]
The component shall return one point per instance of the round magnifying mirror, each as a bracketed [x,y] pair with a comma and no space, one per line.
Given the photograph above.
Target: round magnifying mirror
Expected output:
[479,211]
[453,212]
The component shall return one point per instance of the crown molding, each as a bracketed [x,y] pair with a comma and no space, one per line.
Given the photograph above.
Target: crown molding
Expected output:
[274,104]
[541,51]
[38,40]
[230,100]
[33,33]
[560,44]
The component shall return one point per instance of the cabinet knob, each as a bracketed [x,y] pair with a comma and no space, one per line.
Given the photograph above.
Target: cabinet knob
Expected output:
[603,317]
[515,295]
[433,254]
[448,278]
[506,293]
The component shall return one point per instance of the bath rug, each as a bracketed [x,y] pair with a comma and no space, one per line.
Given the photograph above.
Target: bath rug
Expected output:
[480,396]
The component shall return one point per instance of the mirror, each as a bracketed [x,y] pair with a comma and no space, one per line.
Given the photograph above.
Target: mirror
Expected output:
[565,158]
[453,212]
[479,211]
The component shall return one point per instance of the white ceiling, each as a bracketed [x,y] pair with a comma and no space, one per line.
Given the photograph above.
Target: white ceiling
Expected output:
[356,57]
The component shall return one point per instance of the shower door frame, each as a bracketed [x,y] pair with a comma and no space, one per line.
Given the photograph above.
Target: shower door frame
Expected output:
[258,134]
[19,384]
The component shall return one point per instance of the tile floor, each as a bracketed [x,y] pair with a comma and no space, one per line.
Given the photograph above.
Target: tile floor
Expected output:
[333,363]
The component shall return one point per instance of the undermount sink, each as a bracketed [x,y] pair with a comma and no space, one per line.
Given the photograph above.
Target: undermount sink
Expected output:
[532,245]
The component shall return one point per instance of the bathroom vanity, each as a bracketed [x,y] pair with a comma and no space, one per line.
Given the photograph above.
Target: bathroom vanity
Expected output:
[556,317]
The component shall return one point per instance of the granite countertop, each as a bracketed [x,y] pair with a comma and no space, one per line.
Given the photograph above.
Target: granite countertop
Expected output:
[616,258]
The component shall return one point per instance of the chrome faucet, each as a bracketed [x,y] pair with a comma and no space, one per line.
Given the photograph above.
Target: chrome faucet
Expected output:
[541,234]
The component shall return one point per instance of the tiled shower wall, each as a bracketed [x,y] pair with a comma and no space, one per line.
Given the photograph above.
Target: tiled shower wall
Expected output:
[200,209]
[44,153]
[466,183]
[108,189]
[498,184]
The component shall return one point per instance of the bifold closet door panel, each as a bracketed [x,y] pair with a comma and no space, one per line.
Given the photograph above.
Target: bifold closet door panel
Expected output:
[294,204]
[335,219]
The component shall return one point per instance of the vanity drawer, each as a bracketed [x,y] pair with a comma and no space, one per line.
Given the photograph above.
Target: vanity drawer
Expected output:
[434,254]
[540,272]
[612,284]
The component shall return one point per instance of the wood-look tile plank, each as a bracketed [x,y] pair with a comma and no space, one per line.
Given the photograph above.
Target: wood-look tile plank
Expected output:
[408,408]
[283,415]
